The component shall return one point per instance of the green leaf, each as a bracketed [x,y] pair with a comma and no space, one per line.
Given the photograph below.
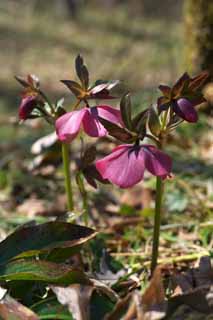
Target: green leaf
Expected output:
[139,122]
[154,121]
[43,238]
[82,72]
[76,89]
[126,111]
[38,270]
[116,131]
[50,308]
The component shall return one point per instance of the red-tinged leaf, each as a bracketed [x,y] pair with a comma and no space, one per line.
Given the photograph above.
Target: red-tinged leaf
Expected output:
[180,84]
[43,238]
[39,270]
[76,89]
[117,132]
[199,81]
[22,81]
[166,90]
[82,72]
[163,103]
[12,309]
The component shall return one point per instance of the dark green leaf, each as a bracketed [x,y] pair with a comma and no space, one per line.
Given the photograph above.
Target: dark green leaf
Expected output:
[116,131]
[50,308]
[38,270]
[126,111]
[139,122]
[43,238]
[82,72]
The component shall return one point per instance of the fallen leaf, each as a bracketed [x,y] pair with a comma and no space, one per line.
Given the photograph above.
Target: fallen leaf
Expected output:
[12,309]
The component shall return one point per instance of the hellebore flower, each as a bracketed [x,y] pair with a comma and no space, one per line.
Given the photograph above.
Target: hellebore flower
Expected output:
[83,91]
[30,95]
[126,164]
[26,107]
[184,96]
[68,125]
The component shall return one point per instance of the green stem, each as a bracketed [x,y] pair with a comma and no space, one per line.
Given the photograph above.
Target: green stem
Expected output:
[48,101]
[156,234]
[68,185]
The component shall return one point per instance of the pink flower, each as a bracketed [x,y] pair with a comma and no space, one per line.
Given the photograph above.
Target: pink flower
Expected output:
[68,125]
[126,164]
[27,105]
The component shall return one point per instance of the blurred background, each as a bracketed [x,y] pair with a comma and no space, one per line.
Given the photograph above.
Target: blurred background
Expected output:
[141,42]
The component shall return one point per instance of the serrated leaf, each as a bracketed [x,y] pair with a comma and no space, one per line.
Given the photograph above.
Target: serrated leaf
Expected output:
[82,72]
[39,270]
[44,238]
[76,89]
[116,131]
[126,111]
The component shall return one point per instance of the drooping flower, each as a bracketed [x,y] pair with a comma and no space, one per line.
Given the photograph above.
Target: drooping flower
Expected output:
[68,125]
[30,96]
[26,107]
[184,96]
[126,164]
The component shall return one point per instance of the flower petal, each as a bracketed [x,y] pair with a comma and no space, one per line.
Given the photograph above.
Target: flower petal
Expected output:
[185,110]
[91,123]
[68,125]
[109,113]
[123,167]
[26,107]
[156,161]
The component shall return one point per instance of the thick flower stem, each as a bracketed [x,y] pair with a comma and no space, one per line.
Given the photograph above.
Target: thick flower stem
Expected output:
[68,185]
[156,234]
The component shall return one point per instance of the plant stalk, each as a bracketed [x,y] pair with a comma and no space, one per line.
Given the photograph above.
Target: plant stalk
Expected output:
[68,185]
[157,221]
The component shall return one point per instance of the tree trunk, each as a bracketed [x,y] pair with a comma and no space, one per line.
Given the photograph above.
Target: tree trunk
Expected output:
[198,16]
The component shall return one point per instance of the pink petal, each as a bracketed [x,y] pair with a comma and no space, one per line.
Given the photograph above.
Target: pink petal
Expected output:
[68,125]
[91,123]
[123,167]
[156,161]
[110,113]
